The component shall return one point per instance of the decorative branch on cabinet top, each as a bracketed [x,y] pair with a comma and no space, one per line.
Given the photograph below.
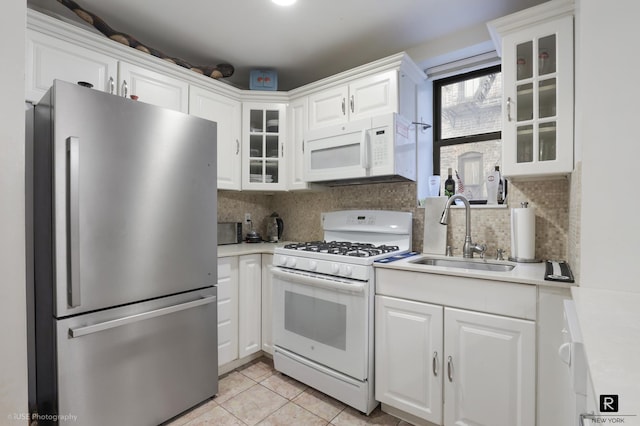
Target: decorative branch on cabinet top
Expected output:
[213,71]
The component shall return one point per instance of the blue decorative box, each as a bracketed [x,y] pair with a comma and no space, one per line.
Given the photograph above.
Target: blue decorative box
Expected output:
[263,80]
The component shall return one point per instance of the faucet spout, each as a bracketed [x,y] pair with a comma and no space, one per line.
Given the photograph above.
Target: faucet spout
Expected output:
[469,247]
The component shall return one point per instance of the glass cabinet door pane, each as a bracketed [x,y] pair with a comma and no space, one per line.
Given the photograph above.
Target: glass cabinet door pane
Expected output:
[524,60]
[271,171]
[547,98]
[547,55]
[524,144]
[547,141]
[273,121]
[255,146]
[256,120]
[524,103]
[272,146]
[256,171]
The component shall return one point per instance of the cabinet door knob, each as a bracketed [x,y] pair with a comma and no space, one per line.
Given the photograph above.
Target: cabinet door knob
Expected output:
[344,111]
[509,108]
[237,147]
[351,103]
[112,85]
[125,88]
[450,369]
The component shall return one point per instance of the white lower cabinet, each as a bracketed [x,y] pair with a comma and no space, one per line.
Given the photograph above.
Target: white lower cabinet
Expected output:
[249,304]
[409,356]
[267,310]
[227,309]
[453,366]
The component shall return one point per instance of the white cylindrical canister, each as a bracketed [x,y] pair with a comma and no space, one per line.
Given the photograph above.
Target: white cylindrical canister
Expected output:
[523,233]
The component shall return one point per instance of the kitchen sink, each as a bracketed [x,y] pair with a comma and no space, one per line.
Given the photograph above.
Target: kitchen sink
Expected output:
[477,265]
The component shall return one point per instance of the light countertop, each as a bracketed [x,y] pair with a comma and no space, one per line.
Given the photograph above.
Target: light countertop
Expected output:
[248,248]
[523,273]
[610,325]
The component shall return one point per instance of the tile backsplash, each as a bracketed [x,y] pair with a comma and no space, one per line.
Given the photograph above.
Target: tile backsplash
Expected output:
[300,212]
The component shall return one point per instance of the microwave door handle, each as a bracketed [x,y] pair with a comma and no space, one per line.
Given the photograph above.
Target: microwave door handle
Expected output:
[364,149]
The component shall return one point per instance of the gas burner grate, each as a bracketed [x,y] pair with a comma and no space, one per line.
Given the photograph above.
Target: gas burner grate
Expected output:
[343,248]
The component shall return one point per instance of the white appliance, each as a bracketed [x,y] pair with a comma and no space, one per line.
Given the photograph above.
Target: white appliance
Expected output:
[323,297]
[572,353]
[381,148]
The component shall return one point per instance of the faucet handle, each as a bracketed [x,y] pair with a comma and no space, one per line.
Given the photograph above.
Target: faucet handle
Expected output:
[450,251]
[481,249]
[499,254]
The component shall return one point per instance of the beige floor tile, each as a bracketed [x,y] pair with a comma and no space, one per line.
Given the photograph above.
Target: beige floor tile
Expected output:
[292,414]
[254,404]
[259,370]
[319,404]
[352,417]
[196,412]
[284,385]
[231,385]
[217,416]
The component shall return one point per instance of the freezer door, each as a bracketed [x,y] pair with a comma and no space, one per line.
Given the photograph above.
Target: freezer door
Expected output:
[138,365]
[135,200]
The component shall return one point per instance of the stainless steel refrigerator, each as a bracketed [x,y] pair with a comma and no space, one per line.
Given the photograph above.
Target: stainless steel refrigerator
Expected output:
[125,261]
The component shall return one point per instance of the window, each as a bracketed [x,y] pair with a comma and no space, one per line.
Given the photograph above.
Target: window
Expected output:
[467,127]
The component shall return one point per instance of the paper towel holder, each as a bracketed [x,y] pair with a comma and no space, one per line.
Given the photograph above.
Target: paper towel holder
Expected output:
[524,205]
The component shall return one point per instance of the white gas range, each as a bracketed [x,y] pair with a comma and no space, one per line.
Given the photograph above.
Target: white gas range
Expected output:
[323,293]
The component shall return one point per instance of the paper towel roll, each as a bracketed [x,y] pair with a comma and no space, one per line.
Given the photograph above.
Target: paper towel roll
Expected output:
[523,234]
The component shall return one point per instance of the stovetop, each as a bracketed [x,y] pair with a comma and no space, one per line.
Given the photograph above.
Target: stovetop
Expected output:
[343,248]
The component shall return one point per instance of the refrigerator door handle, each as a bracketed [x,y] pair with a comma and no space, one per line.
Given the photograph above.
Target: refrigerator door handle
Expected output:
[90,329]
[73,222]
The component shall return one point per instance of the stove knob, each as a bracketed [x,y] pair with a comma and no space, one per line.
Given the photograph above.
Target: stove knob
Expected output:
[313,265]
[291,262]
[282,260]
[335,268]
[347,270]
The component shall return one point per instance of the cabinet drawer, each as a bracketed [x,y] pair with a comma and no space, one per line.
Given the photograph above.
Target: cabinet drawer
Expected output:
[496,297]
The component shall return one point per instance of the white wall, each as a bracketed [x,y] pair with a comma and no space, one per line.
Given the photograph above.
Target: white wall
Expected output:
[607,114]
[13,340]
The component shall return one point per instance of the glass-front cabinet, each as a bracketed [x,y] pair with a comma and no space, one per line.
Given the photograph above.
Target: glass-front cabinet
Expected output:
[537,67]
[263,146]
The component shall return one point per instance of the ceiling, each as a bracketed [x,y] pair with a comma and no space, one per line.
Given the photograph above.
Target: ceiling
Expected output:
[305,42]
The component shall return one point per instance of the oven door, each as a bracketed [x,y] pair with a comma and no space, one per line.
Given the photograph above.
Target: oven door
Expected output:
[324,319]
[337,152]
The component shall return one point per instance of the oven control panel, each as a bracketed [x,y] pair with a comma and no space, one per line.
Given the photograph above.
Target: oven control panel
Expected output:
[326,267]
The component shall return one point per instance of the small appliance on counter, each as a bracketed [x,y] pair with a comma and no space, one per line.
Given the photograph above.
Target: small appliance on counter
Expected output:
[275,226]
[229,233]
[252,236]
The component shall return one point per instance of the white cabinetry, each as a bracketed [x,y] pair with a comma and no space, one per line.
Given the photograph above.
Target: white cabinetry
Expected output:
[449,365]
[227,309]
[249,304]
[409,356]
[267,310]
[49,58]
[227,113]
[364,97]
[297,121]
[489,365]
[153,87]
[537,69]
[263,144]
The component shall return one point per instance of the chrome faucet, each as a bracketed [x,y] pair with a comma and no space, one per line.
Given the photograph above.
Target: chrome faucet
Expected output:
[469,247]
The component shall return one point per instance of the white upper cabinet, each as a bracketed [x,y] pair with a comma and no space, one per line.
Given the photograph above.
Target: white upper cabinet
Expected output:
[297,122]
[537,69]
[153,87]
[227,113]
[263,146]
[49,58]
[364,97]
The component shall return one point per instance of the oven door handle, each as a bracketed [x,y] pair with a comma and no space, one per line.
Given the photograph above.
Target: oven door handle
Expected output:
[317,281]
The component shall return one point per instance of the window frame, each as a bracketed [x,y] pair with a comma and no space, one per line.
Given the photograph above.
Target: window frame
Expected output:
[438,142]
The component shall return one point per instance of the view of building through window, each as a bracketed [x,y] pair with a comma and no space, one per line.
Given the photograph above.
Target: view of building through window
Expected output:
[468,122]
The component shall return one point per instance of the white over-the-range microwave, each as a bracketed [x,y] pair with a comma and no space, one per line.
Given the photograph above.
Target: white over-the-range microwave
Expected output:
[381,148]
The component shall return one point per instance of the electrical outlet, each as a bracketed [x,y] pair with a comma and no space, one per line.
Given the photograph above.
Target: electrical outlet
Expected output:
[247,217]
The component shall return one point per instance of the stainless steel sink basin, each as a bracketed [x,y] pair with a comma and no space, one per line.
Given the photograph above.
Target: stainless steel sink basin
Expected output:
[478,265]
